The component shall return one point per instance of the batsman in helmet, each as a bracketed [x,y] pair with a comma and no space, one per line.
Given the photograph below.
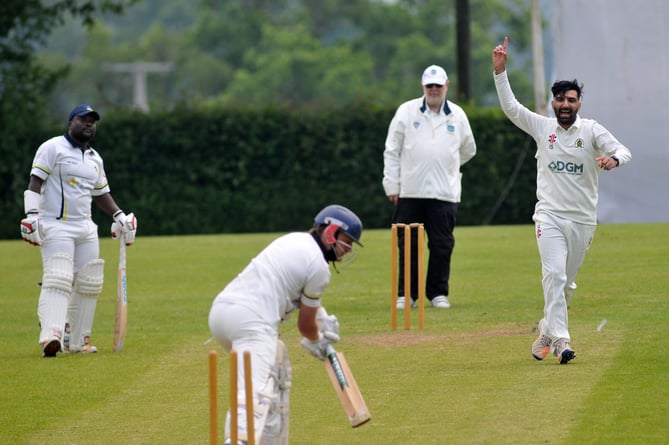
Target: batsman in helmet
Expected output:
[290,274]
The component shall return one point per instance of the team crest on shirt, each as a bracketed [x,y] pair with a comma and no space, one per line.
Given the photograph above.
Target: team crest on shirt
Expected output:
[451,128]
[416,124]
[551,140]
[580,144]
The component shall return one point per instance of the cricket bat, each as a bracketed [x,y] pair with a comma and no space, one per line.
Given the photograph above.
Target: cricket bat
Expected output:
[121,319]
[346,388]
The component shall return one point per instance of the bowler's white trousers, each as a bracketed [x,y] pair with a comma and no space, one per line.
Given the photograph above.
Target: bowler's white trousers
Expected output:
[562,246]
[238,328]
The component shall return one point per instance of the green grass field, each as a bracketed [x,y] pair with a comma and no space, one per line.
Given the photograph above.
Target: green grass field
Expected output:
[467,378]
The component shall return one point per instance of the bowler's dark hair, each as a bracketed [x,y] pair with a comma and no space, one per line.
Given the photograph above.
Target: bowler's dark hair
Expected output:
[561,86]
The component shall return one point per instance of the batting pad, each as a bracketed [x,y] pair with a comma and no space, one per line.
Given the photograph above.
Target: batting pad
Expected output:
[53,299]
[81,310]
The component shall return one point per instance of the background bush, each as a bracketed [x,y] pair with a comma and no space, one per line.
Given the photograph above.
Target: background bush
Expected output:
[270,170]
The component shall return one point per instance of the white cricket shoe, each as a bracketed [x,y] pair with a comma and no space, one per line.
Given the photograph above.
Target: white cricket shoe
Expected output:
[400,303]
[441,302]
[86,348]
[542,344]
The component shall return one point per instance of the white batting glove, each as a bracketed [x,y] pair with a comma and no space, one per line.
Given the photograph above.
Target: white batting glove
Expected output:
[30,224]
[318,348]
[327,322]
[30,229]
[126,225]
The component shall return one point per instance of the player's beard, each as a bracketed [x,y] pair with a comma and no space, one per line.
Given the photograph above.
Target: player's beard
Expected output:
[84,134]
[563,118]
[434,101]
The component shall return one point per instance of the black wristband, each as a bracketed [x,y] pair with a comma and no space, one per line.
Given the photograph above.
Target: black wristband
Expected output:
[616,159]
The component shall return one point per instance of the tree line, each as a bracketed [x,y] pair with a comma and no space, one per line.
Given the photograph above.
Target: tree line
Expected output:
[304,53]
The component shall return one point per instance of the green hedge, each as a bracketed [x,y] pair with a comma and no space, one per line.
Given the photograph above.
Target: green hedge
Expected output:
[249,170]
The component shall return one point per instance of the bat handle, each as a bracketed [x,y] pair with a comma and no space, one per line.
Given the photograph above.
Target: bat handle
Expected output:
[122,250]
[329,349]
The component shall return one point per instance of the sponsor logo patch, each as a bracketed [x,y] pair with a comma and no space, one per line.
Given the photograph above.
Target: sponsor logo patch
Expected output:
[566,167]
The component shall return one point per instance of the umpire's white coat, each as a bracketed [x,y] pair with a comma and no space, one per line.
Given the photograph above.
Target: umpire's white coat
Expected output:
[425,150]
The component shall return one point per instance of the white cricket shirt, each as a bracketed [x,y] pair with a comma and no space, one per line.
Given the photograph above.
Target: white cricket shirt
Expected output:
[424,151]
[274,281]
[567,172]
[71,178]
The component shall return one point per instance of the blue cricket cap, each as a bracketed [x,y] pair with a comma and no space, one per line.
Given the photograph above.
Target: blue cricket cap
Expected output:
[83,110]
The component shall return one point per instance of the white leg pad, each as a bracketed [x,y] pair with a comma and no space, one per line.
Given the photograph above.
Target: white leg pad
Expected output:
[58,273]
[274,400]
[56,289]
[88,281]
[81,310]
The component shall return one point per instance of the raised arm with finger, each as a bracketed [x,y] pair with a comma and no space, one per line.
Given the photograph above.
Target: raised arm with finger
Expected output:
[499,56]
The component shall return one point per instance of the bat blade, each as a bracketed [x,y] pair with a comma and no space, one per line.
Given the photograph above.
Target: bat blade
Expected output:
[121,318]
[346,388]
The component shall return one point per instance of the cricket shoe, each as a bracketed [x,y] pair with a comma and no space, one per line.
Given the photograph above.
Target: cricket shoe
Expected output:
[86,348]
[400,303]
[51,347]
[239,442]
[563,351]
[441,302]
[542,344]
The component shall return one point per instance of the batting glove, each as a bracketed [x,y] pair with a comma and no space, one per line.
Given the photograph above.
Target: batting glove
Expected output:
[30,229]
[30,224]
[126,225]
[318,348]
[327,322]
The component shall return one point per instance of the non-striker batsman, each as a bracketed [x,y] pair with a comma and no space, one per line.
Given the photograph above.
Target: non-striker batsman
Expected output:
[67,175]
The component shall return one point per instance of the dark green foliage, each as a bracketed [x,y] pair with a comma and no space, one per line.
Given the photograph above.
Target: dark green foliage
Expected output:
[498,184]
[250,170]
[298,52]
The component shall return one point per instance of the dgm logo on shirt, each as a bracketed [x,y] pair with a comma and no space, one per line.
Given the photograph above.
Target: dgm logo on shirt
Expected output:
[566,167]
